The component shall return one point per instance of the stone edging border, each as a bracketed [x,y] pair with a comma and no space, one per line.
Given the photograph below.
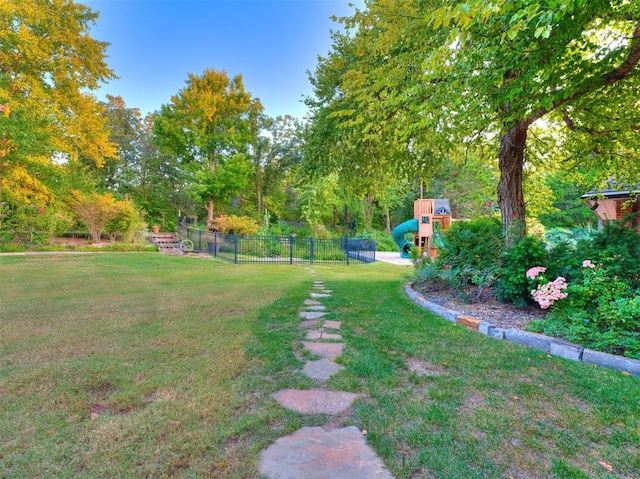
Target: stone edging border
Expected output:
[549,345]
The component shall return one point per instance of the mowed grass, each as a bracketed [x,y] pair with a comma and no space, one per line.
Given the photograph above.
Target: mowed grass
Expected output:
[488,409]
[130,365]
[139,365]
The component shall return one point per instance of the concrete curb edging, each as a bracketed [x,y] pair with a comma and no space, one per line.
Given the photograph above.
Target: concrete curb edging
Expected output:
[547,344]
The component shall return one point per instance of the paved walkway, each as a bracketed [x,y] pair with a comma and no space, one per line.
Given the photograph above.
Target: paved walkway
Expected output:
[316,452]
[393,257]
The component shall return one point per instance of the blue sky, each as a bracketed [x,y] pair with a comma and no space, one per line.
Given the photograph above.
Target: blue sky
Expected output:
[272,43]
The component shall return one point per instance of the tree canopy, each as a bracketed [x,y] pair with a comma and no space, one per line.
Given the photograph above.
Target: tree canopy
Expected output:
[49,64]
[435,75]
[207,126]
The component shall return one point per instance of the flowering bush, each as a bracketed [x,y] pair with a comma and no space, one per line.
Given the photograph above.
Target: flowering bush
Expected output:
[533,273]
[514,285]
[547,292]
[600,311]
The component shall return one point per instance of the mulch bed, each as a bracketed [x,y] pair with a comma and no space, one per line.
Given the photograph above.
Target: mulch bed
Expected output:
[485,307]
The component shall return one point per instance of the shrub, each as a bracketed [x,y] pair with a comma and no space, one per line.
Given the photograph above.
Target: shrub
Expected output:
[469,256]
[95,211]
[232,224]
[617,249]
[601,311]
[383,240]
[513,285]
[128,222]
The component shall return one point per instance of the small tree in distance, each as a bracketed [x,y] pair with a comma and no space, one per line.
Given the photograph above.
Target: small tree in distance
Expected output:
[95,211]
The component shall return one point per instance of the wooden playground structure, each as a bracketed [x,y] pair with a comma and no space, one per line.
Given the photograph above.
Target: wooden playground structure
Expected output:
[430,216]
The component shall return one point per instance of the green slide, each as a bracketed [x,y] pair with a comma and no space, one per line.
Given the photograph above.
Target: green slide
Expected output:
[409,226]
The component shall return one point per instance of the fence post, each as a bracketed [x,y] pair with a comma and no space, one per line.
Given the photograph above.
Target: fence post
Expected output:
[199,241]
[290,249]
[235,249]
[215,244]
[311,243]
[346,248]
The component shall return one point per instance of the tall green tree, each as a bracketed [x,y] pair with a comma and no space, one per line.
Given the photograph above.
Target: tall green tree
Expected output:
[207,126]
[125,129]
[435,74]
[49,119]
[276,166]
[48,67]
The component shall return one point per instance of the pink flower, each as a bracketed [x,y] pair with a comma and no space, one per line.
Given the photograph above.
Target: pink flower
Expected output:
[547,294]
[588,264]
[535,271]
[41,211]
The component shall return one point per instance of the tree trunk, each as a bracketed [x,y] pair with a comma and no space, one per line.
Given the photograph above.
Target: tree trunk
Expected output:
[210,205]
[510,191]
[388,216]
[210,201]
[259,197]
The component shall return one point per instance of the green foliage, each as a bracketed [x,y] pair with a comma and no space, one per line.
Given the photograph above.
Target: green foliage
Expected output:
[35,224]
[617,247]
[95,211]
[601,312]
[526,253]
[317,201]
[568,209]
[48,71]
[413,82]
[470,255]
[232,224]
[209,126]
[128,222]
[384,242]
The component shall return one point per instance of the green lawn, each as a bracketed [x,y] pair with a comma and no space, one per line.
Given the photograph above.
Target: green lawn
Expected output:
[142,365]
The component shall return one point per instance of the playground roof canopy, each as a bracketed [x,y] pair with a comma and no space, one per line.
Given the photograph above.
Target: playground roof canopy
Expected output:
[441,206]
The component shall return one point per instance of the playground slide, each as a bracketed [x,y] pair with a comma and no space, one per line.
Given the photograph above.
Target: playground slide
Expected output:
[410,226]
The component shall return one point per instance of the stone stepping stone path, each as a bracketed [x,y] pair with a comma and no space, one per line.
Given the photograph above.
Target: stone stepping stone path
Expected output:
[332,324]
[316,308]
[315,401]
[317,334]
[313,452]
[320,295]
[328,351]
[311,314]
[321,370]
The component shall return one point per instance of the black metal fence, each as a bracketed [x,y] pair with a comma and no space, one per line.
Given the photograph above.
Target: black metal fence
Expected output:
[279,249]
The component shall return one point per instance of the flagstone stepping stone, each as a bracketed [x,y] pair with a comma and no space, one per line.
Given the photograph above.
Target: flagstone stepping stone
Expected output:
[311,314]
[309,323]
[324,350]
[312,302]
[332,324]
[313,453]
[320,295]
[316,308]
[315,334]
[321,370]
[315,401]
